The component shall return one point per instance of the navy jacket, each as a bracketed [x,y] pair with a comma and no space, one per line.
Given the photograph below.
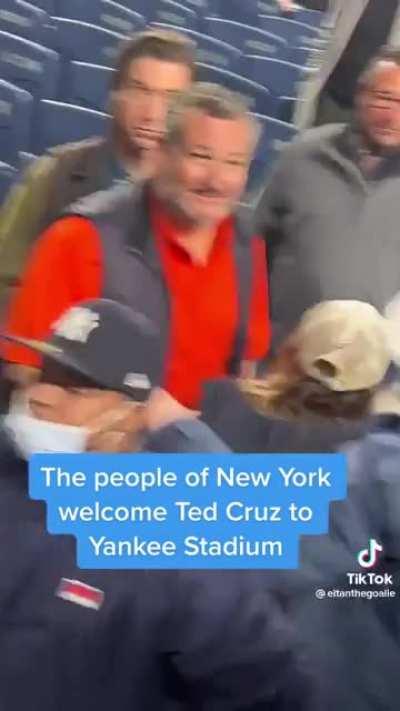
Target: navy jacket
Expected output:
[161,640]
[354,644]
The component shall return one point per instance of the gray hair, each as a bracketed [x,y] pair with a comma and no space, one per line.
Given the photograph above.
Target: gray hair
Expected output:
[213,100]
[388,54]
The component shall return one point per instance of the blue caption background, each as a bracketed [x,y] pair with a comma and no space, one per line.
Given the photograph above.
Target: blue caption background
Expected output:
[187,511]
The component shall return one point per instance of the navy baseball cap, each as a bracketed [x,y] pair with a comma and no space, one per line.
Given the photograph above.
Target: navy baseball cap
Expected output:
[108,343]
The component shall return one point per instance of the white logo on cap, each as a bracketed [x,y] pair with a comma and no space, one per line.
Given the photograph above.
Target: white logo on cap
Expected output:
[137,380]
[77,324]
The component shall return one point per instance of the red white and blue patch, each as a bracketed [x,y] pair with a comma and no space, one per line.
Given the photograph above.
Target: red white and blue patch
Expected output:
[80,593]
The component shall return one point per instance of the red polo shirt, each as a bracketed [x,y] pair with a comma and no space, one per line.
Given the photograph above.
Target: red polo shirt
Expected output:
[66,268]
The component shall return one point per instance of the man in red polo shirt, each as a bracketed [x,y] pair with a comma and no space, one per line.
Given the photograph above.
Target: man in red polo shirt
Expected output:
[172,248]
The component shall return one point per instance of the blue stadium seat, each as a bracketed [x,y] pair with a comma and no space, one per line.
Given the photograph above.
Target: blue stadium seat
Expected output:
[309,17]
[83,10]
[15,121]
[281,78]
[56,123]
[237,11]
[304,56]
[202,7]
[7,176]
[25,20]
[246,38]
[24,160]
[268,7]
[29,66]
[173,13]
[46,5]
[258,97]
[145,8]
[296,34]
[81,41]
[118,18]
[87,85]
[286,108]
[275,134]
[210,50]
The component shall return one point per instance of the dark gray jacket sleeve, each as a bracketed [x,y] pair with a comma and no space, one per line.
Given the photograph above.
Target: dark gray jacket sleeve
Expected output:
[235,649]
[186,436]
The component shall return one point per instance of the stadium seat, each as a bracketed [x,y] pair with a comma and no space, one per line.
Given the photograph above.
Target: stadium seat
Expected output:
[258,97]
[200,6]
[246,38]
[304,56]
[81,41]
[87,85]
[30,66]
[296,34]
[24,20]
[309,17]
[83,10]
[118,18]
[275,134]
[25,159]
[210,50]
[174,13]
[237,11]
[268,7]
[286,108]
[15,121]
[46,5]
[56,123]
[281,78]
[7,176]
[145,8]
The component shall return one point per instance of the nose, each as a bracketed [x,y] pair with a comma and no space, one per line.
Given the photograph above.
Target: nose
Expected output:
[216,175]
[156,110]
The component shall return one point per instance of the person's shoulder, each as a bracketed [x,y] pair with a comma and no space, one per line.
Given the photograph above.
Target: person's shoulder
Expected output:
[376,452]
[190,436]
[77,150]
[106,202]
[312,140]
[71,232]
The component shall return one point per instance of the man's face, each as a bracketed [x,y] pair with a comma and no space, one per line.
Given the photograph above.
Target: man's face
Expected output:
[378,107]
[205,174]
[76,406]
[141,104]
[113,423]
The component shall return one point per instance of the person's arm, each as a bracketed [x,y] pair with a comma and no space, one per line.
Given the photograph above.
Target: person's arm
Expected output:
[22,218]
[232,648]
[64,268]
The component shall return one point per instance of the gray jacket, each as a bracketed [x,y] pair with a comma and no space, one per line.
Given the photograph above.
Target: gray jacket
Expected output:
[342,20]
[331,232]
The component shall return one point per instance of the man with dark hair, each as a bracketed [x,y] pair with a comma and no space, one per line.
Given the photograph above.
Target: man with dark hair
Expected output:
[153,66]
[331,210]
[173,248]
[358,28]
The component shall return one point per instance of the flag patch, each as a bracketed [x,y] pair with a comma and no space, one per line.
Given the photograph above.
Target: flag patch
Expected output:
[80,593]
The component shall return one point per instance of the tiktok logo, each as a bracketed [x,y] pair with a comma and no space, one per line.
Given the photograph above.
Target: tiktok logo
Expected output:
[368,556]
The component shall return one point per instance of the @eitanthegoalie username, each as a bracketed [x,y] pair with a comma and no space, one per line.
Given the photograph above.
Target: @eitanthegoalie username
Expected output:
[358,580]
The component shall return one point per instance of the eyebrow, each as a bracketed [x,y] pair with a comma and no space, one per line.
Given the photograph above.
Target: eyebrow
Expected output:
[200,147]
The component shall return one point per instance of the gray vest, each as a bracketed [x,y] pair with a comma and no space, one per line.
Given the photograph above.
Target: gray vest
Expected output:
[132,270]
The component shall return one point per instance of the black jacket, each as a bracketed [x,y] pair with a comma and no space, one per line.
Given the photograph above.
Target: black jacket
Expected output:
[161,640]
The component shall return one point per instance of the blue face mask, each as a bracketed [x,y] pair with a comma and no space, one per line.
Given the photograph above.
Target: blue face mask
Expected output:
[31,435]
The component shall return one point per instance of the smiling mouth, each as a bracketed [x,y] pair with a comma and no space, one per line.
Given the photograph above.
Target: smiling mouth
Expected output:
[149,133]
[207,196]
